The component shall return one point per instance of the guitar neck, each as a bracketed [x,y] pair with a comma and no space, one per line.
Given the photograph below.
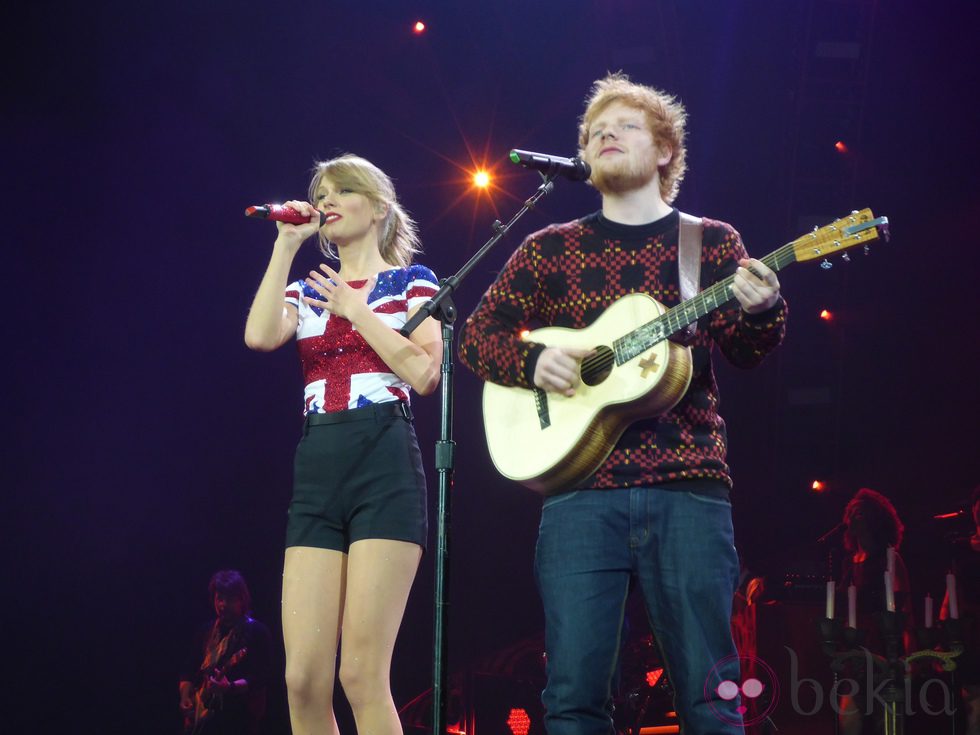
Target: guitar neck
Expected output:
[687,312]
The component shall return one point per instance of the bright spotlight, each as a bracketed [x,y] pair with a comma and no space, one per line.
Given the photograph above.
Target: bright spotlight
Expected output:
[481,179]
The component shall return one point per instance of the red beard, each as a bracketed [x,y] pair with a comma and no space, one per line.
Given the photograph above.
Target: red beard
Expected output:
[625,174]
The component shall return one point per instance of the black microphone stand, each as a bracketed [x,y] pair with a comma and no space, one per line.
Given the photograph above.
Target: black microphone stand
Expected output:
[441,307]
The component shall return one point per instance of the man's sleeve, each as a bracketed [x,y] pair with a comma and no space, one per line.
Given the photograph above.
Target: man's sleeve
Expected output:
[491,345]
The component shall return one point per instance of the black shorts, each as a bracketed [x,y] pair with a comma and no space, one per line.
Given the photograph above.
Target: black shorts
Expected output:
[358,475]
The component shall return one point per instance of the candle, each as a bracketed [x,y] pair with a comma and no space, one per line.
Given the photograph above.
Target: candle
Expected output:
[889,593]
[852,595]
[890,579]
[954,610]
[830,599]
[928,616]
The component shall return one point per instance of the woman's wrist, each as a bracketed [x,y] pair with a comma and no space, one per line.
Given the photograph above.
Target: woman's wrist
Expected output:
[287,245]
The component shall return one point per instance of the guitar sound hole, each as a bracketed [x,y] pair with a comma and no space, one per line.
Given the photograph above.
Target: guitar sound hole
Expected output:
[596,368]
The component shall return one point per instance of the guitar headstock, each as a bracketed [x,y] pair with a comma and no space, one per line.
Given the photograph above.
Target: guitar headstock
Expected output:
[857,228]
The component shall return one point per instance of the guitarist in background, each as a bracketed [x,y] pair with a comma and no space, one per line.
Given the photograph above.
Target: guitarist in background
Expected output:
[657,510]
[223,685]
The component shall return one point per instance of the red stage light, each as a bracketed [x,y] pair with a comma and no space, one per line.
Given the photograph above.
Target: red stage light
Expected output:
[818,486]
[841,146]
[826,315]
[654,676]
[519,722]
[419,27]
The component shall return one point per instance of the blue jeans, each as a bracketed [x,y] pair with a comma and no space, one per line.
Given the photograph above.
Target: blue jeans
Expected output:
[680,548]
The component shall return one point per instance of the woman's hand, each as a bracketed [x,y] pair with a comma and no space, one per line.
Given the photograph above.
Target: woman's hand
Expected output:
[338,297]
[293,235]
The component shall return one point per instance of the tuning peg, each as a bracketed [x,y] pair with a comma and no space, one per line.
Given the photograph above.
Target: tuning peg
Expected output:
[826,264]
[846,257]
[867,248]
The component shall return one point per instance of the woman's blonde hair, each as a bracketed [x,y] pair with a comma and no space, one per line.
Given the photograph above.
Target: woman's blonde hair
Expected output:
[665,116]
[398,236]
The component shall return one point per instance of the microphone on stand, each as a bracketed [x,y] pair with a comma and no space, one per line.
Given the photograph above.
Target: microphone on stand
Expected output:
[831,533]
[571,168]
[280,213]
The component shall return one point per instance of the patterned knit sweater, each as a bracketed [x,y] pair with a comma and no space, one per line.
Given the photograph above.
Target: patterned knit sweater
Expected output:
[566,275]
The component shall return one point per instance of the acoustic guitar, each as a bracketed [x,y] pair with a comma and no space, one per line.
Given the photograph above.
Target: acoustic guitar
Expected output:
[207,703]
[550,442]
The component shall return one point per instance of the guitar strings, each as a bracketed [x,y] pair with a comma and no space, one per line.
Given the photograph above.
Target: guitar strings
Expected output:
[679,316]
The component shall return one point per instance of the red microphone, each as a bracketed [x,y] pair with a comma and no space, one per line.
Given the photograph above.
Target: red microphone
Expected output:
[280,213]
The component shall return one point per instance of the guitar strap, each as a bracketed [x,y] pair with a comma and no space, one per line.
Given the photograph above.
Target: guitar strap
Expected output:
[689,268]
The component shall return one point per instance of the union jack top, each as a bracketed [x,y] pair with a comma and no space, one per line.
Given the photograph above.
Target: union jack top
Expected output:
[340,369]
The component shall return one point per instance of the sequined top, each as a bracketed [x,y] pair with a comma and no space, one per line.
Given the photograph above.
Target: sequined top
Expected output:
[340,368]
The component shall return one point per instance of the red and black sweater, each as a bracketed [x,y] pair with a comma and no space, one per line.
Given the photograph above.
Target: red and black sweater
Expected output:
[566,275]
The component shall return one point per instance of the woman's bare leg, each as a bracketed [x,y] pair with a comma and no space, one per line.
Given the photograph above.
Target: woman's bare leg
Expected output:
[313,589]
[380,577]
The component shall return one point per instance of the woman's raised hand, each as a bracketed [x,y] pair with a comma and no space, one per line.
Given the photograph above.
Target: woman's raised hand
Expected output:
[294,235]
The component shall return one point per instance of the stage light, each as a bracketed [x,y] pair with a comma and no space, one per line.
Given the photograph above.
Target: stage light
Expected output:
[519,722]
[818,486]
[481,179]
[826,315]
[841,146]
[525,333]
[419,27]
[654,676]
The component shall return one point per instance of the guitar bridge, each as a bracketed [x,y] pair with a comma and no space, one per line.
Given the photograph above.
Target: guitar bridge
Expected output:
[541,404]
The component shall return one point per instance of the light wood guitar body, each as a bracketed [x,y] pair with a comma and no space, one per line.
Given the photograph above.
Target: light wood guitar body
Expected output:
[547,440]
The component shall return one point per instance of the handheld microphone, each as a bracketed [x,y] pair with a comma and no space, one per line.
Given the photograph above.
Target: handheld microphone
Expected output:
[280,213]
[571,168]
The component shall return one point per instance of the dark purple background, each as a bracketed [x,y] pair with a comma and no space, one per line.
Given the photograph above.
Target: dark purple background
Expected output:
[148,447]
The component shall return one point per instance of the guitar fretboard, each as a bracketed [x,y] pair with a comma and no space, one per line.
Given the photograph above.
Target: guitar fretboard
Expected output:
[673,320]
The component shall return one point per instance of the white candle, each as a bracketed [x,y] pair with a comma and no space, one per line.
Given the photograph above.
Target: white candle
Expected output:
[889,593]
[928,618]
[852,599]
[954,610]
[830,599]
[890,579]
